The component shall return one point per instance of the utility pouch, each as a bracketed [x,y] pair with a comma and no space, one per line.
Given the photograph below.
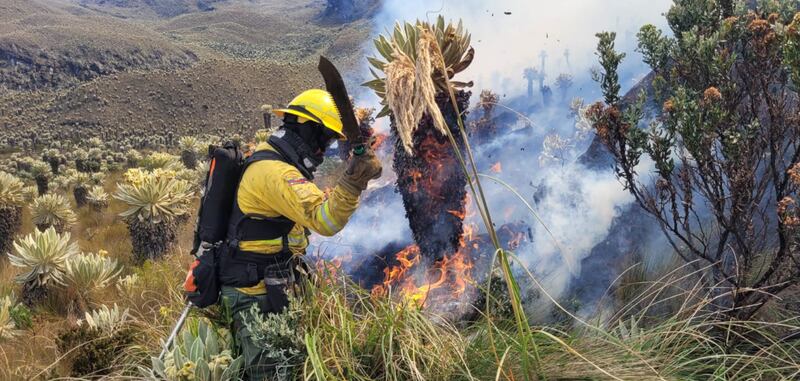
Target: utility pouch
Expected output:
[278,280]
[202,286]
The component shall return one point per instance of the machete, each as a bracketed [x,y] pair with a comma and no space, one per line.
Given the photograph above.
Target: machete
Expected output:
[335,86]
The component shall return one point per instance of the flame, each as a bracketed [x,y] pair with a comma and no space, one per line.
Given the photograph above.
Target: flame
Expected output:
[469,206]
[496,168]
[515,237]
[420,282]
[514,243]
[468,210]
[460,214]
[451,276]
[379,140]
[447,278]
[430,152]
[469,230]
[415,176]
[420,294]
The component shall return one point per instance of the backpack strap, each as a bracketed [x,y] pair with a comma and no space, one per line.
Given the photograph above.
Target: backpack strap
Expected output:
[254,227]
[261,156]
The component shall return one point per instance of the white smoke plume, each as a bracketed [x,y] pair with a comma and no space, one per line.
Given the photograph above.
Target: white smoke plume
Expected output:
[505,44]
[576,204]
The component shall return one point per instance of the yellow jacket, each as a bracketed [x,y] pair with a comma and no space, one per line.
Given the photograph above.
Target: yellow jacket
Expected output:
[273,188]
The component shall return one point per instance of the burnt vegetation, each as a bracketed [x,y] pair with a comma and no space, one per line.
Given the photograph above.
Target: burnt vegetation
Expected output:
[433,185]
[103,161]
[724,148]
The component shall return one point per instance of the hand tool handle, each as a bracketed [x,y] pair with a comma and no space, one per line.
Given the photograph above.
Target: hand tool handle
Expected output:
[175,330]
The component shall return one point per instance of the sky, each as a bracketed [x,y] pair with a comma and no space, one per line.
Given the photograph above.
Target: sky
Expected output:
[505,44]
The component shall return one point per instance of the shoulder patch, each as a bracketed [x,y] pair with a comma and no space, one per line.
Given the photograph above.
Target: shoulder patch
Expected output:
[297,181]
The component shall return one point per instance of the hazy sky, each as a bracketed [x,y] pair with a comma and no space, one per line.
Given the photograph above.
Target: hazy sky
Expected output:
[505,44]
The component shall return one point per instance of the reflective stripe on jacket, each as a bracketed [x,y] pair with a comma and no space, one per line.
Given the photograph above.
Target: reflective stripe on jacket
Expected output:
[273,188]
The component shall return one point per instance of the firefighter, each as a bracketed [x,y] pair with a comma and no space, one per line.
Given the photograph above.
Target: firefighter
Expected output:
[276,207]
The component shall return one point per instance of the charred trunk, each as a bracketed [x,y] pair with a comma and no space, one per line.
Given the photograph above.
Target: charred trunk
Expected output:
[189,159]
[151,240]
[55,164]
[10,224]
[80,193]
[33,295]
[42,183]
[433,184]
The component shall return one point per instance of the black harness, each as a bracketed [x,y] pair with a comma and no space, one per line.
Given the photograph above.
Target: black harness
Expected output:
[240,268]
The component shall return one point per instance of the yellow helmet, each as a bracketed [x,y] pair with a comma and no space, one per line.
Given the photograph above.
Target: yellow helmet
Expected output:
[315,105]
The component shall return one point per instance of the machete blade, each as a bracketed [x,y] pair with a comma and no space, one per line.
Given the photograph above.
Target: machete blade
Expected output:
[335,86]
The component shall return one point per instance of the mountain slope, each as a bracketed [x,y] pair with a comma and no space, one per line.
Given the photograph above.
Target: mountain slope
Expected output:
[150,8]
[71,70]
[53,44]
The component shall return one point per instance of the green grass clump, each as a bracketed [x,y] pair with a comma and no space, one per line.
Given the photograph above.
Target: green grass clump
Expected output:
[93,351]
[351,335]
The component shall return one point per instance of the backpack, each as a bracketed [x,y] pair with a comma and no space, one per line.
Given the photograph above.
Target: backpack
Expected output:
[221,225]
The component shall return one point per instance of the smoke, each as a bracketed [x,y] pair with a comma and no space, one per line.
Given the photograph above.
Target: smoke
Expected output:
[576,205]
[577,209]
[564,31]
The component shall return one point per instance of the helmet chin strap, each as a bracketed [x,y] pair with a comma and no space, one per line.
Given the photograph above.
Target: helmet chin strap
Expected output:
[294,148]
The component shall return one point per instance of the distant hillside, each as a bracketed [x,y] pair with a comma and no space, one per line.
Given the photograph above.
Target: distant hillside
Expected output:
[349,10]
[120,70]
[44,45]
[157,8]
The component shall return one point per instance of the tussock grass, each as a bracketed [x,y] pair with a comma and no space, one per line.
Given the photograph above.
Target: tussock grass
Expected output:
[154,303]
[351,335]
[662,328]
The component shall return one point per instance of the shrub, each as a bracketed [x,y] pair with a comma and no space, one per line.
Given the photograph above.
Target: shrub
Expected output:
[281,337]
[80,182]
[190,147]
[52,210]
[160,160]
[726,88]
[132,158]
[43,257]
[85,275]
[97,198]
[154,205]
[201,352]
[8,326]
[12,198]
[41,173]
[127,284]
[96,344]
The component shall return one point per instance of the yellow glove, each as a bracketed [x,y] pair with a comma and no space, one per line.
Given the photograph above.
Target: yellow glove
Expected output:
[360,170]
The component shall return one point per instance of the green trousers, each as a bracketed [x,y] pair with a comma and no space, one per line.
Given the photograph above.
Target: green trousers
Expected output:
[257,366]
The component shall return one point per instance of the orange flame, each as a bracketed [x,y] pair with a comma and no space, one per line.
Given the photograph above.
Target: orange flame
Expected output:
[415,176]
[460,214]
[514,243]
[450,276]
[379,139]
[332,267]
[430,151]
